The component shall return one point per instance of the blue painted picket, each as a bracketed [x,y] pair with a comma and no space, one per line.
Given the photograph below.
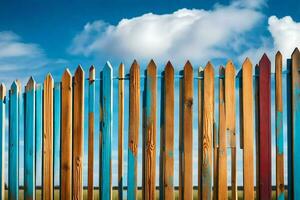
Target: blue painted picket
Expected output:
[2,138]
[13,154]
[29,141]
[56,132]
[106,131]
[38,132]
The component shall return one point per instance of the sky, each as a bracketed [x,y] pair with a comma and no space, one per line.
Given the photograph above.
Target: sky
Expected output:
[37,37]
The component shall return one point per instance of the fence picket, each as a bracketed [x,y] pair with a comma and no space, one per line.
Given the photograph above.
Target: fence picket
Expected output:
[230,121]
[91,121]
[207,134]
[2,138]
[106,131]
[167,134]
[29,141]
[48,138]
[200,128]
[222,150]
[265,189]
[279,127]
[78,123]
[133,134]
[186,171]
[66,136]
[295,118]
[38,135]
[13,154]
[247,128]
[150,133]
[120,130]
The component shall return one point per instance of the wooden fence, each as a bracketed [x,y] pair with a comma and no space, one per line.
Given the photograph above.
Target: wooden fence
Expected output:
[54,114]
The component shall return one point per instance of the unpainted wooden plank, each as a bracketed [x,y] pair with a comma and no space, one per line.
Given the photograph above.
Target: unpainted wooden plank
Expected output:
[29,141]
[106,131]
[133,134]
[150,133]
[208,126]
[120,129]
[2,138]
[168,133]
[279,128]
[91,133]
[48,138]
[222,150]
[56,133]
[230,122]
[66,136]
[247,128]
[78,136]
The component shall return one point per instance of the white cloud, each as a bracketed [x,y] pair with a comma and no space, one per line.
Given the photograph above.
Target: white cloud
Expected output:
[192,34]
[286,34]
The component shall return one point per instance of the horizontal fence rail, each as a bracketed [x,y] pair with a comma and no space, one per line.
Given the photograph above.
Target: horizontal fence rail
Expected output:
[54,132]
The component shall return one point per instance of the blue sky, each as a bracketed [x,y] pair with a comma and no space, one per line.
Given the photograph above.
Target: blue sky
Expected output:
[39,37]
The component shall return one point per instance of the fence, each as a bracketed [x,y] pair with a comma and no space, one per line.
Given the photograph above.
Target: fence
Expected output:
[54,113]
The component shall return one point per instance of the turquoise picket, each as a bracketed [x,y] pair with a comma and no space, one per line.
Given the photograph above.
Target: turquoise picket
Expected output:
[13,154]
[106,131]
[2,138]
[29,141]
[56,131]
[38,132]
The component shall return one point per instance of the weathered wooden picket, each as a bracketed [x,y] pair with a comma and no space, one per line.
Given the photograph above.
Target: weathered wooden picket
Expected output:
[54,124]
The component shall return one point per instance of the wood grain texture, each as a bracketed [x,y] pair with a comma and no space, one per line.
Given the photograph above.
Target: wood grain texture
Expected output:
[200,127]
[48,139]
[180,188]
[215,160]
[265,187]
[247,129]
[186,172]
[167,134]
[230,122]
[2,138]
[13,152]
[279,128]
[150,133]
[66,136]
[133,134]
[78,123]
[207,134]
[29,141]
[106,103]
[295,105]
[222,150]
[120,129]
[91,133]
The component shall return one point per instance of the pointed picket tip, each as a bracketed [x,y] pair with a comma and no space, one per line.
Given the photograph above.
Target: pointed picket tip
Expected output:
[14,87]
[221,70]
[230,67]
[247,62]
[188,66]
[79,70]
[151,65]
[30,84]
[200,69]
[49,77]
[169,66]
[121,70]
[2,91]
[134,65]
[92,74]
[209,67]
[278,54]
[265,60]
[296,52]
[66,74]
[108,65]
